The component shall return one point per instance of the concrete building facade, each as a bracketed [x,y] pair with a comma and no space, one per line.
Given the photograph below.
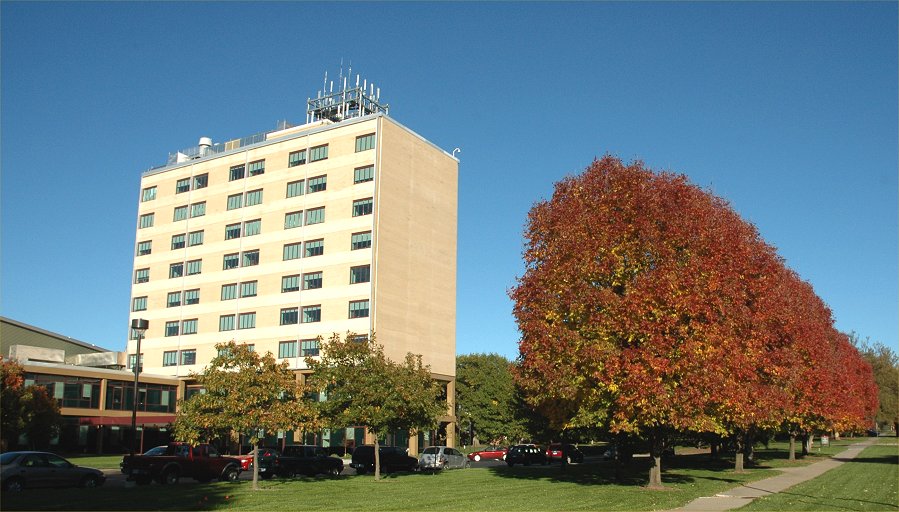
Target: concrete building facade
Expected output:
[343,224]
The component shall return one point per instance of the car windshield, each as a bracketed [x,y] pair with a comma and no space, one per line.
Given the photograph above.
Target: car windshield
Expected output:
[8,458]
[431,451]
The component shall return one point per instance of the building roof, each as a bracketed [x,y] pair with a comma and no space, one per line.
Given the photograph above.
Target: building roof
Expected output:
[13,332]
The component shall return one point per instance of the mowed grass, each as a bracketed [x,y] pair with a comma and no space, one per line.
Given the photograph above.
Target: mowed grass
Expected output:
[867,482]
[589,486]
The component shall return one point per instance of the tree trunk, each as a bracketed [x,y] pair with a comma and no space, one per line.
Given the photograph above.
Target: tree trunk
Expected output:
[256,466]
[792,446]
[749,447]
[806,442]
[655,472]
[714,448]
[377,460]
[738,454]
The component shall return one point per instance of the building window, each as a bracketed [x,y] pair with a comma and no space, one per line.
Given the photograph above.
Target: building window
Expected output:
[171,328]
[182,186]
[232,231]
[290,316]
[254,197]
[365,142]
[195,238]
[248,289]
[314,248]
[360,241]
[201,181]
[180,213]
[176,270]
[247,321]
[132,359]
[312,314]
[288,284]
[235,201]
[295,188]
[148,194]
[198,209]
[231,261]
[363,174]
[173,300]
[170,358]
[362,207]
[312,280]
[296,158]
[309,347]
[226,323]
[318,184]
[141,275]
[229,291]
[360,274]
[194,267]
[189,357]
[191,297]
[287,349]
[139,304]
[236,172]
[146,220]
[292,251]
[144,248]
[358,308]
[252,227]
[250,258]
[189,327]
[318,153]
[177,242]
[315,215]
[293,220]
[257,167]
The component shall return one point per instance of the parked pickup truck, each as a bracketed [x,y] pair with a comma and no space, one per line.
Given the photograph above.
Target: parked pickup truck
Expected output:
[201,462]
[307,460]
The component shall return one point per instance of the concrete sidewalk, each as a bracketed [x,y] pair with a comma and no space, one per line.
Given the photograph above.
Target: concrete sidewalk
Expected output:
[739,496]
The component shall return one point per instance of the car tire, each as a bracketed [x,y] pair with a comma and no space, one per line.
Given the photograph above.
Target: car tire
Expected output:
[231,474]
[467,464]
[13,485]
[90,481]
[170,477]
[477,458]
[266,475]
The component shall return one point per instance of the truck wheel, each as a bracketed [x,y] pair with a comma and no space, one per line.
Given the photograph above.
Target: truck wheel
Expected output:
[170,477]
[231,474]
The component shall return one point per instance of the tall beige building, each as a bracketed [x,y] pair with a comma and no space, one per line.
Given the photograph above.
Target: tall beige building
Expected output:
[345,223]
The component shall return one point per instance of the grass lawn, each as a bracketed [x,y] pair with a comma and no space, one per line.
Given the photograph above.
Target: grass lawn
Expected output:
[868,482]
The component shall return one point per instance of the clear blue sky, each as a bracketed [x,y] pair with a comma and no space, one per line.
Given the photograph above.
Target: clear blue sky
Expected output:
[788,110]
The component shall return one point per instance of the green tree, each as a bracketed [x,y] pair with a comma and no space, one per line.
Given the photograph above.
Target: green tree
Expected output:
[245,392]
[487,396]
[885,365]
[363,386]
[11,420]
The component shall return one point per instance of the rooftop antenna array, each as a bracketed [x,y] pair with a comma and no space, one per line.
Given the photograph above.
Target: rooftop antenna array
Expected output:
[347,102]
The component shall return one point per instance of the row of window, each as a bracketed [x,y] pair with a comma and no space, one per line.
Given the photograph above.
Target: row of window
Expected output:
[288,316]
[286,349]
[250,258]
[257,167]
[292,283]
[291,220]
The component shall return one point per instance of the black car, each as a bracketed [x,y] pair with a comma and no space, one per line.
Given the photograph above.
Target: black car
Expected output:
[557,451]
[525,454]
[393,458]
[23,470]
[307,460]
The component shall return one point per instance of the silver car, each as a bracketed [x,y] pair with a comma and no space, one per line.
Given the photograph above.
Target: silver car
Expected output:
[435,458]
[21,470]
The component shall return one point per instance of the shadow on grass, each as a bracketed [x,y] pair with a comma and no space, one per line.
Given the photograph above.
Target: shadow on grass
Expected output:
[675,470]
[828,503]
[883,459]
[150,497]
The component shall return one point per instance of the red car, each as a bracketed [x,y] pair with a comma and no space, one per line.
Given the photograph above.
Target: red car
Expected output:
[491,452]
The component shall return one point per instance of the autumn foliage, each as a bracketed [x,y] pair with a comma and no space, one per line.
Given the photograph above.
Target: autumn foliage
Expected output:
[648,306]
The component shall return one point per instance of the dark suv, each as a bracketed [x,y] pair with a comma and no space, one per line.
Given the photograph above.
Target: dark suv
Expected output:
[526,454]
[393,458]
[308,460]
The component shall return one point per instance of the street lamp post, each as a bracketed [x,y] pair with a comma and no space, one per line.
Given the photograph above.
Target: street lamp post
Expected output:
[138,325]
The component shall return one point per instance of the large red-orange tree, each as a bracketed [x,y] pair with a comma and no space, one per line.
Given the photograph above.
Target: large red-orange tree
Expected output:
[636,307]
